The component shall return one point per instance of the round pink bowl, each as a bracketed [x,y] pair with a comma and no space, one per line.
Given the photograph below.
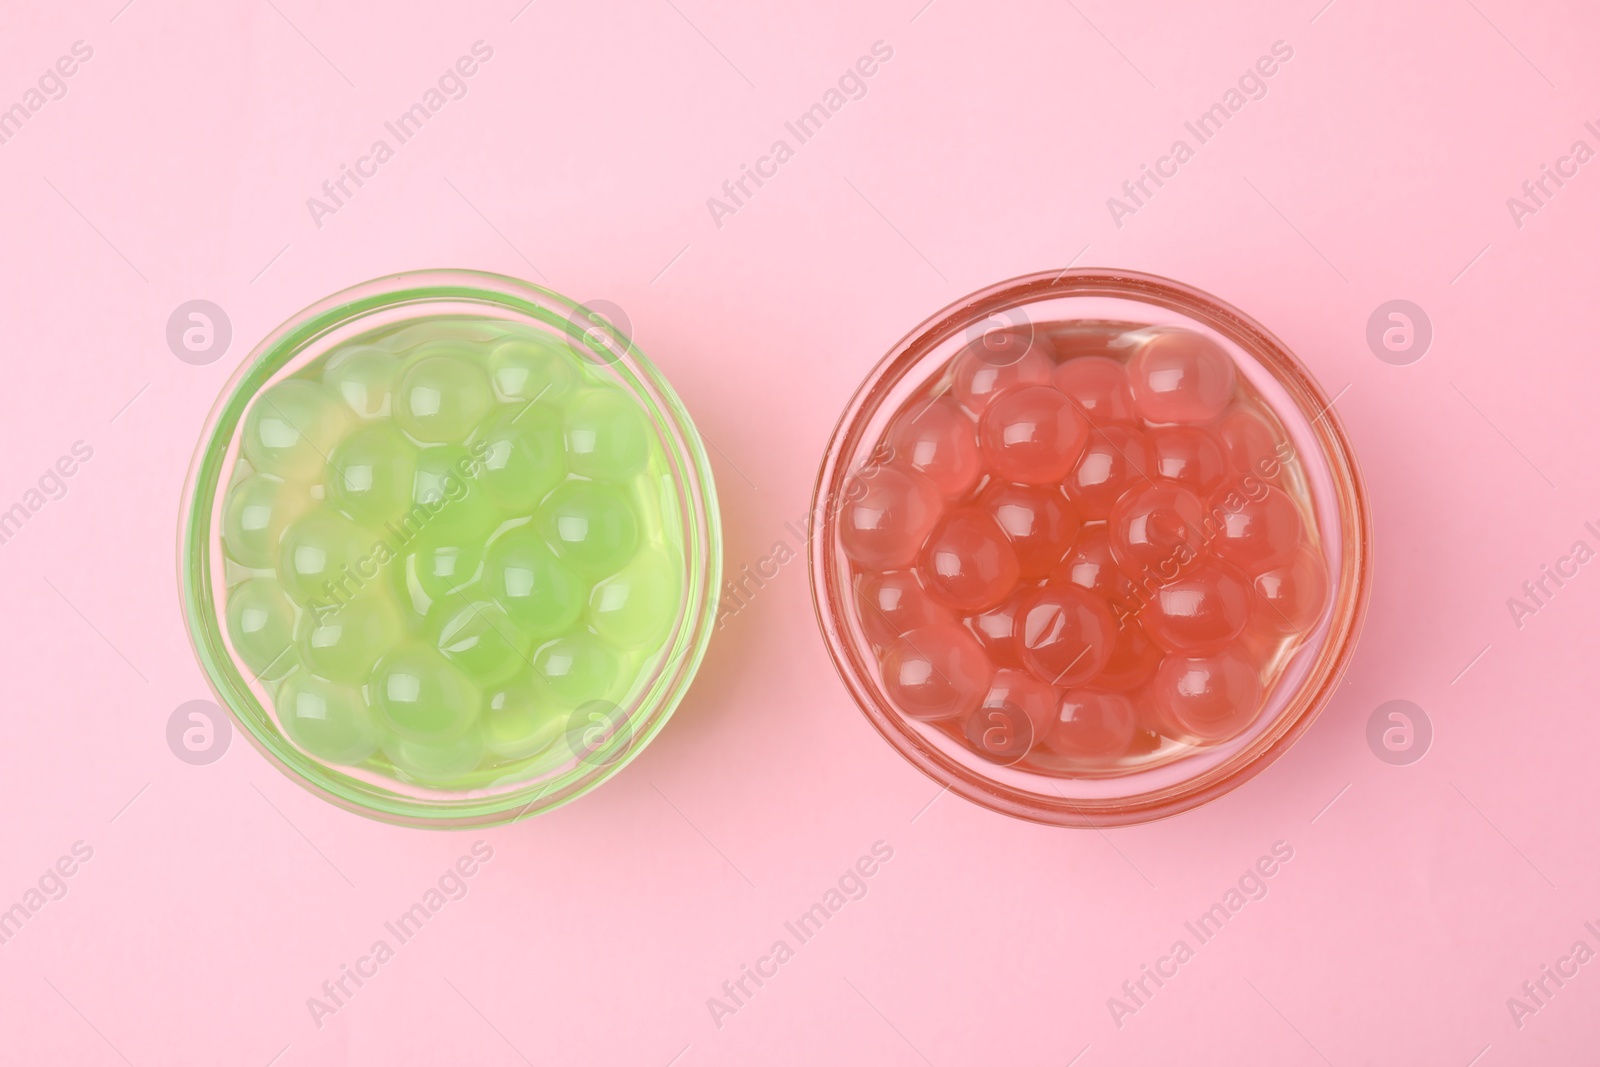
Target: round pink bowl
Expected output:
[1333,486]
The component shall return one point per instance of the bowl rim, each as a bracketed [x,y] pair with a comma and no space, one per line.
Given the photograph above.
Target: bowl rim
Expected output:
[698,503]
[1350,594]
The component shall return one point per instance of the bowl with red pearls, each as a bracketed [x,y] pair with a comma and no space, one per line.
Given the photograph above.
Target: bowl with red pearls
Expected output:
[1090,548]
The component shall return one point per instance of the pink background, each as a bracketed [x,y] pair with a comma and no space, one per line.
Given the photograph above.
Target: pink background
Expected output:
[220,897]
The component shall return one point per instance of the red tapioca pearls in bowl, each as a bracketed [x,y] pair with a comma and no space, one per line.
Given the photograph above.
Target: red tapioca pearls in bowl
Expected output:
[1083,551]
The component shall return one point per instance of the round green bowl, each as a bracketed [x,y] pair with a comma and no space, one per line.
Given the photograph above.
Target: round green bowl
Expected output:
[595,739]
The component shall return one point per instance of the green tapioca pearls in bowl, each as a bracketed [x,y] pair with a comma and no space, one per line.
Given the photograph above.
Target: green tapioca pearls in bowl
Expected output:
[446,559]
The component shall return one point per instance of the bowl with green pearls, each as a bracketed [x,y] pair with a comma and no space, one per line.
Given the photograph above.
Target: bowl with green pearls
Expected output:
[450,549]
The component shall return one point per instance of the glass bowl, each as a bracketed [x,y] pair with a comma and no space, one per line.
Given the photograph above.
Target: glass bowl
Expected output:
[1008,766]
[572,744]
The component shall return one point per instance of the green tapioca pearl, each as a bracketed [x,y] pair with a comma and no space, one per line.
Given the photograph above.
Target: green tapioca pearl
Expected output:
[371,473]
[421,696]
[607,435]
[261,625]
[591,526]
[577,668]
[516,724]
[637,606]
[538,592]
[292,426]
[364,377]
[435,762]
[480,638]
[529,371]
[254,517]
[324,555]
[329,720]
[523,460]
[445,494]
[443,565]
[443,394]
[345,641]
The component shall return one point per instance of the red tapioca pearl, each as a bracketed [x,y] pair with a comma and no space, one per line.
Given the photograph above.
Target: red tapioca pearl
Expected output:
[1091,565]
[997,363]
[1032,435]
[895,603]
[1098,386]
[1157,529]
[1290,598]
[996,629]
[1255,448]
[886,515]
[937,672]
[1192,456]
[940,440]
[1015,714]
[1201,612]
[1039,522]
[968,563]
[1133,660]
[1093,726]
[1116,460]
[1065,635]
[1179,376]
[1255,533]
[1206,699]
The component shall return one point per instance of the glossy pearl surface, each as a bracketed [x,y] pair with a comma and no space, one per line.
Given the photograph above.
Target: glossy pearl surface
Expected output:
[968,563]
[938,672]
[940,441]
[1180,376]
[1032,435]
